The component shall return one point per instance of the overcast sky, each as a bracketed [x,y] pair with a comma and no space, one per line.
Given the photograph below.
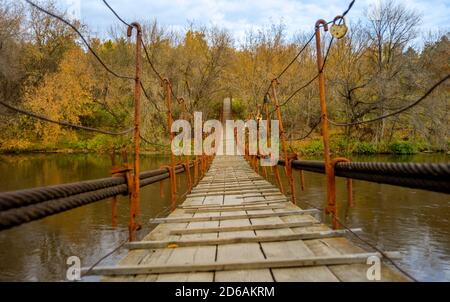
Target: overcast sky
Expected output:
[238,16]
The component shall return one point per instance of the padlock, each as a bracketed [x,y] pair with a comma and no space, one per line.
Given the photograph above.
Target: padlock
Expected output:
[339,30]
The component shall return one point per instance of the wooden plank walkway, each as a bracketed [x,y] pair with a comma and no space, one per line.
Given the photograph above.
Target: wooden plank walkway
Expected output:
[236,226]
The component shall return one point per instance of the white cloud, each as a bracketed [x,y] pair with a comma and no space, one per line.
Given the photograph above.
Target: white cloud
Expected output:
[238,16]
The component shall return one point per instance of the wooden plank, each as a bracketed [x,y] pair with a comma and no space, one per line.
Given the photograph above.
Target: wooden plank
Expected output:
[235,185]
[226,225]
[227,189]
[234,209]
[234,205]
[238,180]
[276,194]
[237,252]
[235,240]
[290,249]
[191,255]
[234,217]
[242,228]
[357,272]
[238,265]
[236,192]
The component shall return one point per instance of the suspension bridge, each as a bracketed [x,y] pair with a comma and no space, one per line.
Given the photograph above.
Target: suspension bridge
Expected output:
[233,224]
[236,226]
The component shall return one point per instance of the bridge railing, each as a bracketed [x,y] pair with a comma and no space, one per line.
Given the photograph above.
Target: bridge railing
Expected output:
[23,206]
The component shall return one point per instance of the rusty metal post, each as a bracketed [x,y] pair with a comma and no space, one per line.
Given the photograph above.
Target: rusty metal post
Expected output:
[332,208]
[350,192]
[187,164]
[302,180]
[114,198]
[137,121]
[161,189]
[331,186]
[258,143]
[173,179]
[266,109]
[196,161]
[287,166]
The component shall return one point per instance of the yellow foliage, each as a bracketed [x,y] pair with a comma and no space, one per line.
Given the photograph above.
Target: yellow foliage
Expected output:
[64,95]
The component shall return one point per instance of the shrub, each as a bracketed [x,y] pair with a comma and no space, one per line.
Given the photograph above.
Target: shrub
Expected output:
[365,148]
[238,109]
[403,148]
[341,144]
[314,147]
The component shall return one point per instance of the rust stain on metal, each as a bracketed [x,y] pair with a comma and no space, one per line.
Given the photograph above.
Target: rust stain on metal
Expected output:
[135,190]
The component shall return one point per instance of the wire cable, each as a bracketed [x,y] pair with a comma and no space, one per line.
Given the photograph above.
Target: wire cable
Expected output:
[309,133]
[63,123]
[82,38]
[366,242]
[151,143]
[164,212]
[312,79]
[435,86]
[143,44]
[116,14]
[147,55]
[323,65]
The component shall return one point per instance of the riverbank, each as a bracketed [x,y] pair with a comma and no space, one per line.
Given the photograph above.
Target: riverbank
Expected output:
[343,146]
[310,147]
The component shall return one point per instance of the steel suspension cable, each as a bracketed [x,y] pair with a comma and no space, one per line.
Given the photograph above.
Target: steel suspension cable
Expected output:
[151,143]
[73,27]
[116,14]
[63,123]
[366,242]
[120,245]
[102,63]
[292,62]
[312,79]
[324,62]
[144,46]
[313,128]
[400,111]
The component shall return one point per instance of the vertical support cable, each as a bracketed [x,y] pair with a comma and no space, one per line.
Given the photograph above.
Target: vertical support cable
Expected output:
[173,180]
[187,164]
[134,202]
[114,198]
[287,167]
[331,185]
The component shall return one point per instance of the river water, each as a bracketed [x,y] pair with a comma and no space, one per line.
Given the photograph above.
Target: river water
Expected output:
[392,218]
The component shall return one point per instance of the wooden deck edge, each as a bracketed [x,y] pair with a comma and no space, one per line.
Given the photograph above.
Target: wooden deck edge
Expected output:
[231,217]
[236,240]
[244,228]
[360,258]
[237,205]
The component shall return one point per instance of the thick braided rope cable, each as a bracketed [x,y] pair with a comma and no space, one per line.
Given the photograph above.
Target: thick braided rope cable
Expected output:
[24,198]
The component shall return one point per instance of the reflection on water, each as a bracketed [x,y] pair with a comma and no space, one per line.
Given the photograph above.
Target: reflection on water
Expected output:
[38,251]
[396,219]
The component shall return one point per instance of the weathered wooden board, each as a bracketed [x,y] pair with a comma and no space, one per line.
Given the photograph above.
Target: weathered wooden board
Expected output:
[234,240]
[236,226]
[243,228]
[233,216]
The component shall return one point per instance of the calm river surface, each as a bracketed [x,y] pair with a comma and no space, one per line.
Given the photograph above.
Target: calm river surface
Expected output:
[393,218]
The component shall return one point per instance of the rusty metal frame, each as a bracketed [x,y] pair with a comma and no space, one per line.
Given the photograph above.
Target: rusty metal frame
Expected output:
[288,167]
[330,164]
[135,187]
